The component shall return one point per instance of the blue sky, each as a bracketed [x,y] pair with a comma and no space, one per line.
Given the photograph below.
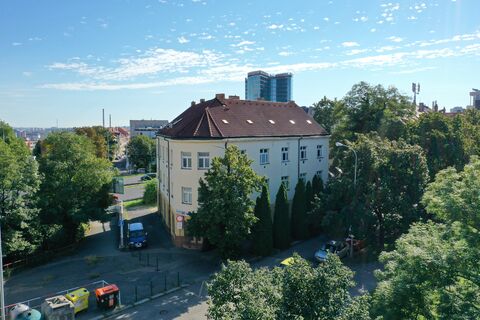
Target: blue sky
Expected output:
[66,60]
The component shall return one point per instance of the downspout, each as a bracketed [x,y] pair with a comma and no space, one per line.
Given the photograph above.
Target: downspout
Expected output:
[169,187]
[298,159]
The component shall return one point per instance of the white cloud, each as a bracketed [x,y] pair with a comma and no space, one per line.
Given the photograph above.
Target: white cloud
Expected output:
[395,39]
[285,53]
[183,40]
[356,51]
[275,26]
[16,44]
[350,44]
[243,43]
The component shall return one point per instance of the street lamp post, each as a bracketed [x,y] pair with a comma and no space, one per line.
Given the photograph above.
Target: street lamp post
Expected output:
[339,144]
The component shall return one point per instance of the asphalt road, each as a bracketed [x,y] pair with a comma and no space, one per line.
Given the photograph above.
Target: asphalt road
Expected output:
[191,303]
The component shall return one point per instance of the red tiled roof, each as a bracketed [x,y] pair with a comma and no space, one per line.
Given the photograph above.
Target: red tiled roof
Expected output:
[228,118]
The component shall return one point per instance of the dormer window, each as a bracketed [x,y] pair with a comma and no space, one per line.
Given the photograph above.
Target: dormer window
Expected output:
[271,121]
[250,121]
[292,122]
[224,121]
[309,121]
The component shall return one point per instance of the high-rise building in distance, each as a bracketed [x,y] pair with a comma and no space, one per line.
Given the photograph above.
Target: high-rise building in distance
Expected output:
[264,86]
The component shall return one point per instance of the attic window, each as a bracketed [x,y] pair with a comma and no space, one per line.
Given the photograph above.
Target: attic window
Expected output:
[292,122]
[250,121]
[271,121]
[224,121]
[309,122]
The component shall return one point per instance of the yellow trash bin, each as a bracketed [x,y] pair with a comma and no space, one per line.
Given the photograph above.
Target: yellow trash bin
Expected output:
[79,299]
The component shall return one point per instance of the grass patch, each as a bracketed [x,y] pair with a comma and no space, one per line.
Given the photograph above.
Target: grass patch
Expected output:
[132,203]
[93,260]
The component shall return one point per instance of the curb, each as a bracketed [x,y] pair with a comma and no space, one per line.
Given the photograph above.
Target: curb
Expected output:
[129,306]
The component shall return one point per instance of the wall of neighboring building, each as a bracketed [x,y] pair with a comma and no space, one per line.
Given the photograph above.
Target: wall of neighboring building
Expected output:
[173,177]
[148,128]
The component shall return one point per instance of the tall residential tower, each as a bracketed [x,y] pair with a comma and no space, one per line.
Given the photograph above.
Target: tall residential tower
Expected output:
[260,85]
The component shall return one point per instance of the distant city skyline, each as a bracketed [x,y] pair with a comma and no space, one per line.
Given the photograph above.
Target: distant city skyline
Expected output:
[66,60]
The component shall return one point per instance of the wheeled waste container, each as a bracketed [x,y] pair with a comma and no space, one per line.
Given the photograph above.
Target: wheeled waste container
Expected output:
[23,312]
[58,308]
[79,299]
[107,297]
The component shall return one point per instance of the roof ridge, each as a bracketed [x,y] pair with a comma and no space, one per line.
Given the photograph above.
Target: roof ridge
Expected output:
[207,110]
[198,124]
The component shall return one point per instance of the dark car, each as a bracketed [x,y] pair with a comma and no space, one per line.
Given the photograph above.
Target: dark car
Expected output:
[339,248]
[148,176]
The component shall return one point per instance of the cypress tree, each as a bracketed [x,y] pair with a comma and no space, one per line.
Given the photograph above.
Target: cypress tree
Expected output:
[317,185]
[309,196]
[281,222]
[299,218]
[263,229]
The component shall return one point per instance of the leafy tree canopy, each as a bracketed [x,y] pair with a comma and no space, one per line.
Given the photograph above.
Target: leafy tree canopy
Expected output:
[141,151]
[225,215]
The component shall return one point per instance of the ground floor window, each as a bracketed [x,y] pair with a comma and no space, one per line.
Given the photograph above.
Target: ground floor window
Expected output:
[186,195]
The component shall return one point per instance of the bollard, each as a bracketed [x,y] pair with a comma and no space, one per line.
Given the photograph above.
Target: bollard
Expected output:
[136,294]
[178,278]
[165,282]
[151,288]
[157,263]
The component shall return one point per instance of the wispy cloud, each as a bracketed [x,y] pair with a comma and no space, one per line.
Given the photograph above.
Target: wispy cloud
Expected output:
[349,44]
[182,40]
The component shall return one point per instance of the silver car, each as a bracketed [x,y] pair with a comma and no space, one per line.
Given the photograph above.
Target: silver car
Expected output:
[339,248]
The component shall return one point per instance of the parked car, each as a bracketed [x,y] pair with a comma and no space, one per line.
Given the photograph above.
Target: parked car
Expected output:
[137,237]
[339,248]
[148,176]
[357,244]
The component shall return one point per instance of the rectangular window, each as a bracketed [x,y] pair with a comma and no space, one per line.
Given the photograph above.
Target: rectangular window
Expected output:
[186,195]
[284,154]
[263,156]
[186,160]
[303,152]
[203,160]
[319,151]
[319,173]
[303,176]
[286,182]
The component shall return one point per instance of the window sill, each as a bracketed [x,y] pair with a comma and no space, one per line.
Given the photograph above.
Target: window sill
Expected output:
[203,168]
[186,168]
[187,203]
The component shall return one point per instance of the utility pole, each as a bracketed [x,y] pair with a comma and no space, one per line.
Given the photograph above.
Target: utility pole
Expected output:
[103,117]
[2,294]
[109,120]
[415,90]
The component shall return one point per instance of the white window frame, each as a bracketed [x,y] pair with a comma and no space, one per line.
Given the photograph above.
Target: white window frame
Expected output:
[285,154]
[303,152]
[285,180]
[319,151]
[319,173]
[203,160]
[264,156]
[303,176]
[186,195]
[186,160]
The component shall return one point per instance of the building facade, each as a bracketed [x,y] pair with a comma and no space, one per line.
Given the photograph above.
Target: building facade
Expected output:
[284,143]
[260,85]
[147,128]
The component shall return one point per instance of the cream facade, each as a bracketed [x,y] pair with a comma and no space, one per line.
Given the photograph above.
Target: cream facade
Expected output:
[182,162]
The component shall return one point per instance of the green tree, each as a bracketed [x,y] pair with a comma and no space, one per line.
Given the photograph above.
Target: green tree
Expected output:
[281,221]
[440,138]
[328,112]
[298,291]
[238,292]
[299,212]
[263,228]
[374,108]
[434,271]
[392,176]
[141,151]
[309,196]
[105,142]
[470,131]
[19,182]
[150,193]
[317,185]
[75,188]
[225,215]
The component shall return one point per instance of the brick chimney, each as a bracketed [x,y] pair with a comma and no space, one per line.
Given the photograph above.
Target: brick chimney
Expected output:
[220,96]
[202,100]
[234,97]
[192,103]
